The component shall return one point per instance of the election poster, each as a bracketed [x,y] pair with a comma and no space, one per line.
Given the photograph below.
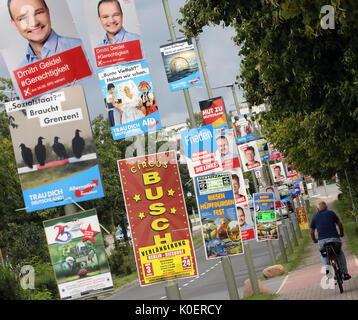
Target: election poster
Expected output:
[278,172]
[274,153]
[291,172]
[180,64]
[274,189]
[247,226]
[219,220]
[250,156]
[266,225]
[239,187]
[284,192]
[263,149]
[243,127]
[227,148]
[113,30]
[54,149]
[129,96]
[302,218]
[157,218]
[213,112]
[201,150]
[41,47]
[78,255]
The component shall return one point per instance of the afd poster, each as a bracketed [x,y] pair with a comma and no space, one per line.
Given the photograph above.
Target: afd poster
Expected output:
[213,112]
[157,217]
[266,225]
[41,47]
[180,64]
[78,256]
[243,127]
[218,216]
[113,30]
[130,98]
[54,149]
[201,150]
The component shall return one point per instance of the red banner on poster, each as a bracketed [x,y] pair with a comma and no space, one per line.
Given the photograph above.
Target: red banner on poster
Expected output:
[51,73]
[157,217]
[118,53]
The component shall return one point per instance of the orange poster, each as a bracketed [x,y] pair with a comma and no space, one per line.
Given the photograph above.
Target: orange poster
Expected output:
[302,218]
[157,217]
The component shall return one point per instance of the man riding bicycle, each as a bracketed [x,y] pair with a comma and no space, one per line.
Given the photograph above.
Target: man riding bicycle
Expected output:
[325,222]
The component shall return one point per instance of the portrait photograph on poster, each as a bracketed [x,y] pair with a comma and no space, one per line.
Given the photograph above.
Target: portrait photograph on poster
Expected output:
[278,172]
[250,156]
[113,30]
[243,127]
[41,46]
[130,99]
[227,148]
[239,187]
[247,226]
[54,149]
[180,64]
[78,255]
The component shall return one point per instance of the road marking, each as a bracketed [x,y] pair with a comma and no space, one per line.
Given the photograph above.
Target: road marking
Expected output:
[282,284]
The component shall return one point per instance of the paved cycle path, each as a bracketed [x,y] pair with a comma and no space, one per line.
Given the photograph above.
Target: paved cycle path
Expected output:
[308,281]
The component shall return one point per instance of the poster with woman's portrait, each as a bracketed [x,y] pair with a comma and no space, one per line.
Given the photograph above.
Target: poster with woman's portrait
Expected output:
[130,99]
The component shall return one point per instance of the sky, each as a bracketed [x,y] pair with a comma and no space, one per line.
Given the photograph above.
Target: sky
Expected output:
[220,54]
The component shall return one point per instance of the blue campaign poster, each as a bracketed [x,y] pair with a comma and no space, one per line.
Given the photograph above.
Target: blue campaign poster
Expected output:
[129,99]
[181,66]
[218,215]
[243,128]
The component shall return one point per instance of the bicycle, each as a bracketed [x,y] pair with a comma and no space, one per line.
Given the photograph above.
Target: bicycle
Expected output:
[330,250]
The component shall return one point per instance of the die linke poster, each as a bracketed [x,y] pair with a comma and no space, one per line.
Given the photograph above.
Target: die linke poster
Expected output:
[41,47]
[54,149]
[157,217]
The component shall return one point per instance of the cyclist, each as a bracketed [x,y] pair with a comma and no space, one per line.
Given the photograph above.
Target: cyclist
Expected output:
[325,222]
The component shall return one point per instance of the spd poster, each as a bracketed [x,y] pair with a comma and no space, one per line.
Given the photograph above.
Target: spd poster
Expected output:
[219,219]
[157,217]
[54,149]
[78,256]
[213,112]
[266,225]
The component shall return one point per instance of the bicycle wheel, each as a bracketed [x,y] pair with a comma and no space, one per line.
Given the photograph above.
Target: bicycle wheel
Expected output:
[339,278]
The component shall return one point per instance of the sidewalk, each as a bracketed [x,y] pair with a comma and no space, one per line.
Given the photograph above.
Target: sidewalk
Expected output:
[308,282]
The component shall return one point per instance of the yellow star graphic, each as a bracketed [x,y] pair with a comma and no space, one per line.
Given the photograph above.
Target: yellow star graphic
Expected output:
[141,215]
[136,197]
[171,192]
[173,210]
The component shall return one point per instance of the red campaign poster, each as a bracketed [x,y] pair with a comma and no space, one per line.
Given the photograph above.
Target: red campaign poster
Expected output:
[213,112]
[157,217]
[52,73]
[118,53]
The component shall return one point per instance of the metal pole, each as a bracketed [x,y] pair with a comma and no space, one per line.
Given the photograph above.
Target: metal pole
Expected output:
[307,204]
[230,278]
[282,245]
[271,251]
[287,236]
[325,189]
[293,231]
[172,290]
[174,39]
[251,269]
[203,68]
[294,217]
[235,99]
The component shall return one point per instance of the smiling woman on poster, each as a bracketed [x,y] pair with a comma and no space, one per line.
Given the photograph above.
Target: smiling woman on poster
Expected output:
[31,18]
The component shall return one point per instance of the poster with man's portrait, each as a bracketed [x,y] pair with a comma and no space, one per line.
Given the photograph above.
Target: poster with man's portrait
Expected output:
[227,148]
[278,172]
[239,187]
[246,223]
[41,46]
[114,31]
[250,156]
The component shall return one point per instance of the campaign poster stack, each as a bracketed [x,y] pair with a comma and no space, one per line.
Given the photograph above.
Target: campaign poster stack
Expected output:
[181,66]
[78,255]
[213,112]
[54,149]
[126,85]
[219,219]
[63,59]
[201,150]
[157,217]
[266,225]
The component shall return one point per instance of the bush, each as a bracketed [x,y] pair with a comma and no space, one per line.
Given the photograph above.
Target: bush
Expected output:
[10,288]
[121,260]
